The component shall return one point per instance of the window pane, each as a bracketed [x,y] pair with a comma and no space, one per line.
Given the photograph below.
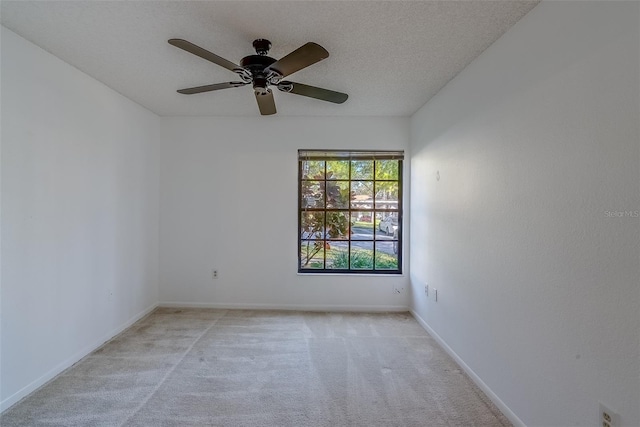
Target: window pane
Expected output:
[338,169]
[338,256]
[386,256]
[362,169]
[362,194]
[387,169]
[387,227]
[312,254]
[362,255]
[313,169]
[386,195]
[361,226]
[312,194]
[312,225]
[338,194]
[338,225]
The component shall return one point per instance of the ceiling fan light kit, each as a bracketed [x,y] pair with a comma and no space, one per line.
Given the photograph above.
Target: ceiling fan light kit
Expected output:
[262,71]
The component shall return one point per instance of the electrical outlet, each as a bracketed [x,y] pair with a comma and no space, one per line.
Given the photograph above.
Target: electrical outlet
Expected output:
[608,418]
[214,274]
[426,290]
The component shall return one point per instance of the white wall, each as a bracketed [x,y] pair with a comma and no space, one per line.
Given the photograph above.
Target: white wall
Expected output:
[79,215]
[229,201]
[534,142]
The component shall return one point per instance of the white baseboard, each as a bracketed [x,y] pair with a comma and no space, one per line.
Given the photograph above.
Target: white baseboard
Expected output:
[295,307]
[517,422]
[58,369]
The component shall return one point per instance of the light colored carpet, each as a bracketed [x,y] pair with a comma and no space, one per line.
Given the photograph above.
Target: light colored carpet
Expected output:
[205,367]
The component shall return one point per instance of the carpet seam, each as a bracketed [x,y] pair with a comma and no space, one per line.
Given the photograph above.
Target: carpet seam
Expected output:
[162,381]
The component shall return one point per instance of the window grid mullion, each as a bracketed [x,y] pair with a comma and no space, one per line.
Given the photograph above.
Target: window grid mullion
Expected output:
[349,219]
[374,214]
[324,231]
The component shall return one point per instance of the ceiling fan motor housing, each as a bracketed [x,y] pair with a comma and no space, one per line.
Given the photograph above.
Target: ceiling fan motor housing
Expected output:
[256,65]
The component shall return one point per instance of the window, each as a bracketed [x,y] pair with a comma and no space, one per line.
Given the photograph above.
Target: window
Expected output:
[350,211]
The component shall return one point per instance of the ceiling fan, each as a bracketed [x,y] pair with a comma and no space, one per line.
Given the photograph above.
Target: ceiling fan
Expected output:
[263,71]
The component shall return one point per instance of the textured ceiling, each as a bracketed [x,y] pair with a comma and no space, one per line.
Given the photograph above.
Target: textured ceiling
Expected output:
[390,57]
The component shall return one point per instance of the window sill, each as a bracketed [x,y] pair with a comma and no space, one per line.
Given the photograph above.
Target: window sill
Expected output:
[353,274]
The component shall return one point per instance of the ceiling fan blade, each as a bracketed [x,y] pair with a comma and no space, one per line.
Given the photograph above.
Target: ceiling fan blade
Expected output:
[300,58]
[313,92]
[203,53]
[266,103]
[209,88]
